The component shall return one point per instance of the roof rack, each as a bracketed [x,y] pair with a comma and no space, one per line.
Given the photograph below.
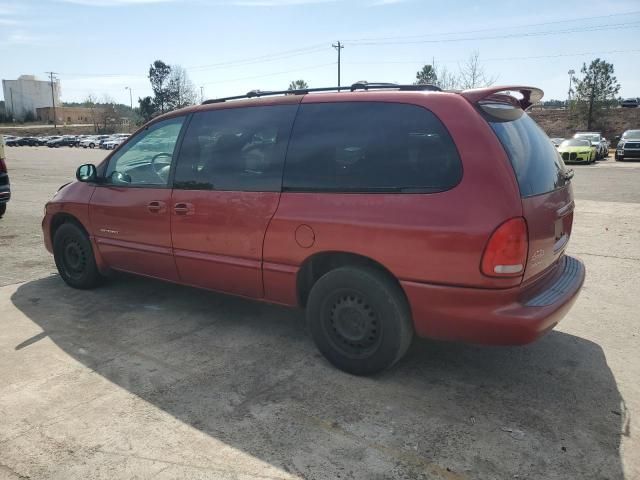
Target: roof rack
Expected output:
[362,85]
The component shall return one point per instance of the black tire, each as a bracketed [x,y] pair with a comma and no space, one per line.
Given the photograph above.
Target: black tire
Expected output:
[74,258]
[359,320]
[619,159]
[3,209]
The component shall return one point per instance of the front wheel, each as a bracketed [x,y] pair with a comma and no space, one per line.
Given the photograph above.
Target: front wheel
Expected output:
[74,257]
[359,319]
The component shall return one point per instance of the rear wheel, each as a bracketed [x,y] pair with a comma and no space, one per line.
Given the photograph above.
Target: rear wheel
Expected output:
[359,319]
[74,257]
[3,209]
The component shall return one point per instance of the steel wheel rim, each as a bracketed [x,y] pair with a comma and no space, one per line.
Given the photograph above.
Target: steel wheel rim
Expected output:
[351,323]
[74,258]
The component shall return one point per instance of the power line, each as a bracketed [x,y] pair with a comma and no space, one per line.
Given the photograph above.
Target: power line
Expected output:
[271,74]
[596,28]
[534,57]
[501,28]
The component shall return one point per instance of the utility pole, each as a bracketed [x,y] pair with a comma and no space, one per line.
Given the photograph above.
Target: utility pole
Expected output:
[53,100]
[201,94]
[130,97]
[338,46]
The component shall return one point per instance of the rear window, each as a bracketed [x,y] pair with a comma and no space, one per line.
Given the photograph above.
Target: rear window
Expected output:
[536,162]
[370,147]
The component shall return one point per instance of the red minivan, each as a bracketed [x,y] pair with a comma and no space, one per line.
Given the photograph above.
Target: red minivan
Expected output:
[384,210]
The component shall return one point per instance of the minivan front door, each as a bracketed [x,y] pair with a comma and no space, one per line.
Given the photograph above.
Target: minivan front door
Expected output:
[130,210]
[226,190]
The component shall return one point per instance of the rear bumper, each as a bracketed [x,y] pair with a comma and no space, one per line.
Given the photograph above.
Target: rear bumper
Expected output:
[5,188]
[496,317]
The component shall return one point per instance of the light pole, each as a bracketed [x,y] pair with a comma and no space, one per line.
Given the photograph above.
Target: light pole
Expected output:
[130,97]
[571,74]
[201,94]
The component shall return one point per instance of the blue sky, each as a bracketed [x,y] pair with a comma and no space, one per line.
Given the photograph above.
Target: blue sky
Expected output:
[228,47]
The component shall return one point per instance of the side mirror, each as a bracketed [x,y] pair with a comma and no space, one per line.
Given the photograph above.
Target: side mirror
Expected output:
[87,173]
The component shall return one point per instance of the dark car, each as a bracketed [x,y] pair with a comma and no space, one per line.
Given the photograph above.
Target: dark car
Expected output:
[62,142]
[387,211]
[5,189]
[28,142]
[630,103]
[13,142]
[628,146]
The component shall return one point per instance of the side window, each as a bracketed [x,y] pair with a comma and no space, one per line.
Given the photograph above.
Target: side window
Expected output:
[238,149]
[370,147]
[146,159]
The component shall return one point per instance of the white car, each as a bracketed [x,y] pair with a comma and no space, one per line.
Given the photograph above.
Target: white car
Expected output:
[91,142]
[596,140]
[113,143]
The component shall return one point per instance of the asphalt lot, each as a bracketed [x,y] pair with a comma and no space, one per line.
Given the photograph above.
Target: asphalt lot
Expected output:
[142,379]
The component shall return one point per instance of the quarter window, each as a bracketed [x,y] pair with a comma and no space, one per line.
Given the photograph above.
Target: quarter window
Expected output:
[146,159]
[370,147]
[238,149]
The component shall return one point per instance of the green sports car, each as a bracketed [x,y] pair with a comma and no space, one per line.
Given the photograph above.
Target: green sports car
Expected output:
[577,150]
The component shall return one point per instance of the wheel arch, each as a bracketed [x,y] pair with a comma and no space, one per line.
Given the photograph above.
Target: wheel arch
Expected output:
[60,219]
[320,263]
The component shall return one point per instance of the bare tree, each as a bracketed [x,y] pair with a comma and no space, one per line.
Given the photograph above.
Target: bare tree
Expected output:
[91,103]
[180,89]
[107,113]
[446,80]
[472,74]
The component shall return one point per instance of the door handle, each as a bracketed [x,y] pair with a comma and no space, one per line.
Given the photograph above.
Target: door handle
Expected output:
[157,207]
[183,208]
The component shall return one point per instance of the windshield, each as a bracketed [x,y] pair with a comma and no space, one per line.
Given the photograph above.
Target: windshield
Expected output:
[593,138]
[574,142]
[631,134]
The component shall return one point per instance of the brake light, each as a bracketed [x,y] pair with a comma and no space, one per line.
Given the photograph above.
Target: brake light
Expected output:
[506,252]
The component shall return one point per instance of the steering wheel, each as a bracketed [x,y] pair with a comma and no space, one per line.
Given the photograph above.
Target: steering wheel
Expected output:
[161,170]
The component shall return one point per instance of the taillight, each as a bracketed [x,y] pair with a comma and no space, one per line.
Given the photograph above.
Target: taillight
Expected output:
[506,252]
[3,166]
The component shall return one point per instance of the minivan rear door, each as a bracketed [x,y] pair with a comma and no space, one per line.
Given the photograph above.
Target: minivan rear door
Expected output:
[544,181]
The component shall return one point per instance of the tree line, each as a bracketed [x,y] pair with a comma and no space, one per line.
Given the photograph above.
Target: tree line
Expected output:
[594,89]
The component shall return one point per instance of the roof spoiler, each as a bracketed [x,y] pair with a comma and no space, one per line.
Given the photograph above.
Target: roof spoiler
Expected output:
[530,95]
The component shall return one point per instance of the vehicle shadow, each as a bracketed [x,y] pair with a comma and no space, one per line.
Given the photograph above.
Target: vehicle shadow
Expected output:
[247,375]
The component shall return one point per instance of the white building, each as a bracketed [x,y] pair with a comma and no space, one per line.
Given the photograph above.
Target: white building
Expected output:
[25,94]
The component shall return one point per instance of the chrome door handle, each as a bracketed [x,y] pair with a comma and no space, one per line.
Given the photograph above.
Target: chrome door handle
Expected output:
[156,206]
[183,208]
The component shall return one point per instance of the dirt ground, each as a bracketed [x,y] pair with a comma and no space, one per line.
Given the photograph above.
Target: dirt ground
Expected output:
[142,379]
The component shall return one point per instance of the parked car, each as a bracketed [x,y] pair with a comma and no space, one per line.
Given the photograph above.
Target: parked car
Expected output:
[628,146]
[27,141]
[577,150]
[12,142]
[114,142]
[630,103]
[89,142]
[596,140]
[5,186]
[387,220]
[66,141]
[556,141]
